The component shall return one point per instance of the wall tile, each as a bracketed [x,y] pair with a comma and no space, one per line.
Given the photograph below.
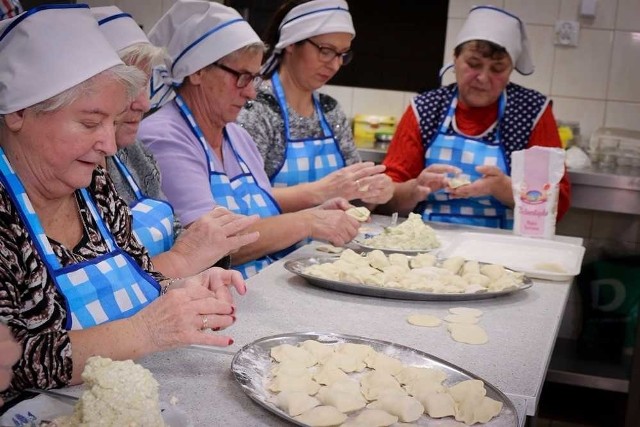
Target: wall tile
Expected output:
[605,14]
[380,102]
[622,115]
[541,40]
[534,12]
[343,94]
[406,101]
[461,8]
[582,71]
[453,28]
[590,114]
[625,63]
[628,15]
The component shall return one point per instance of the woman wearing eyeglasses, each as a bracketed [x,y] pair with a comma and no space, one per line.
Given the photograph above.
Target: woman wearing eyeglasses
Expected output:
[304,136]
[205,159]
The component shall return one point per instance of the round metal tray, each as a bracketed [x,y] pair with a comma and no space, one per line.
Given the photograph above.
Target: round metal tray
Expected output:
[251,366]
[297,266]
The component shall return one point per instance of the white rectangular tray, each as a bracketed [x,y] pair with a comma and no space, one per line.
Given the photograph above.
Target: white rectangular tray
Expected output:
[524,254]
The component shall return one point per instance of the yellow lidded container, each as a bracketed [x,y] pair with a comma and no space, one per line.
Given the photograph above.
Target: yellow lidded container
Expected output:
[365,126]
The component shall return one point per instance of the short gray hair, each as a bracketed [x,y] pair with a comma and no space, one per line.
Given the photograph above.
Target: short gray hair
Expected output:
[253,48]
[143,53]
[130,77]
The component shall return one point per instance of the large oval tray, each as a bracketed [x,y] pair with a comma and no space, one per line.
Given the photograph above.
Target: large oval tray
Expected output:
[297,266]
[251,365]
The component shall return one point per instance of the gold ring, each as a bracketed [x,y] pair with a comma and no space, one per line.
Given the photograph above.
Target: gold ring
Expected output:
[205,321]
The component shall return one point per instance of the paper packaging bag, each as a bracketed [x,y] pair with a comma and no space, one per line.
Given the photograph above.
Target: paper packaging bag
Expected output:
[535,176]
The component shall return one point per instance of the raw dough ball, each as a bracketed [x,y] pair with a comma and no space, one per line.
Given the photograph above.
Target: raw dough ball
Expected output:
[466,311]
[461,318]
[424,320]
[360,213]
[321,416]
[468,334]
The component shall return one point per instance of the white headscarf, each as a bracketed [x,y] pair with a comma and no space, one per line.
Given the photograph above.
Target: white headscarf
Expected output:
[502,28]
[118,27]
[310,19]
[47,50]
[196,34]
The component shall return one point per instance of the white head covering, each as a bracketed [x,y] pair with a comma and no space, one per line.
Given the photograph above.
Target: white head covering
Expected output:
[311,19]
[502,28]
[118,27]
[47,50]
[196,34]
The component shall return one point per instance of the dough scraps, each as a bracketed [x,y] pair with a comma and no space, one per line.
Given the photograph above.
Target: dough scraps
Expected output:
[424,320]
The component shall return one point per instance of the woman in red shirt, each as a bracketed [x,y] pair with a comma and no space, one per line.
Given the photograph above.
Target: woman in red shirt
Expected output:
[472,127]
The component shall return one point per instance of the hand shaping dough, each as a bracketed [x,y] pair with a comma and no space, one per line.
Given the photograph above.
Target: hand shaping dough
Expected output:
[468,334]
[459,181]
[361,213]
[424,320]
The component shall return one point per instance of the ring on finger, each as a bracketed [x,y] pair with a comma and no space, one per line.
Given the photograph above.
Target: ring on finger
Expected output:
[205,321]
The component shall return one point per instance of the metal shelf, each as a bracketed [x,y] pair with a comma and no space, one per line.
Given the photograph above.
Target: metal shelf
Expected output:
[567,367]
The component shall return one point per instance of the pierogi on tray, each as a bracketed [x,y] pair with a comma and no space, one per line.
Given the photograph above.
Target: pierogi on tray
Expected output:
[423,272]
[352,384]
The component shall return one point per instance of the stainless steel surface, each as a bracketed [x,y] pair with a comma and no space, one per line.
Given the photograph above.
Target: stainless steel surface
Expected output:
[252,363]
[598,189]
[297,266]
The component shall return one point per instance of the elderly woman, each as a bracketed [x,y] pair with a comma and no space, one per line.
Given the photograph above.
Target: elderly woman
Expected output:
[205,159]
[137,179]
[472,127]
[304,136]
[74,281]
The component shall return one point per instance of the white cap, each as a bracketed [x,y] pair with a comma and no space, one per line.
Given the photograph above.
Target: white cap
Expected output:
[313,19]
[47,50]
[198,33]
[118,27]
[502,28]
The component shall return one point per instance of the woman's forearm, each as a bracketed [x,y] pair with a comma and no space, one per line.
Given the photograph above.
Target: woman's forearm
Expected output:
[298,197]
[276,233]
[403,200]
[118,340]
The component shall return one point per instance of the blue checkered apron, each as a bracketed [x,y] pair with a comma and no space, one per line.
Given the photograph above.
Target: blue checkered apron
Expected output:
[240,194]
[466,153]
[306,159]
[109,287]
[152,218]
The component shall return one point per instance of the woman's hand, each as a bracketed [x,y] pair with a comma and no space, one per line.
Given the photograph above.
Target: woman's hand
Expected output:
[350,182]
[377,189]
[492,183]
[190,308]
[211,237]
[9,354]
[432,178]
[329,222]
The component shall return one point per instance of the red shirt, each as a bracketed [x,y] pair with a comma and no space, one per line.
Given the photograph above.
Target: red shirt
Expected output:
[405,158]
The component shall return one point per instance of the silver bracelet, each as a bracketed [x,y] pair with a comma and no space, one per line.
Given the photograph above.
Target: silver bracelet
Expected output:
[164,289]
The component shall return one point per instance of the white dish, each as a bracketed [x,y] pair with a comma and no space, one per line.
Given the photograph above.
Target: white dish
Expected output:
[31,412]
[531,256]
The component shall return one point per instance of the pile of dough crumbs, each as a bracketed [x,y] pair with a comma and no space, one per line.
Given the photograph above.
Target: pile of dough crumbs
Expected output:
[423,272]
[352,385]
[119,393]
[410,235]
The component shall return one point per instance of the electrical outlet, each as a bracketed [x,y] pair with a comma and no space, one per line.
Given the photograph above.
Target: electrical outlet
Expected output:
[567,33]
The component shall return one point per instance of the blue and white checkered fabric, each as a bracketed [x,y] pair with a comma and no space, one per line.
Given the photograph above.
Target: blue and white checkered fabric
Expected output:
[307,159]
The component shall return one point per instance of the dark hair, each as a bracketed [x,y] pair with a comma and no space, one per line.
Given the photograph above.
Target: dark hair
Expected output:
[486,48]
[272,33]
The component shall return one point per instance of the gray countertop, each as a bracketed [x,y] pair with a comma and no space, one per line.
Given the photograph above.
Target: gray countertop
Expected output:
[522,330]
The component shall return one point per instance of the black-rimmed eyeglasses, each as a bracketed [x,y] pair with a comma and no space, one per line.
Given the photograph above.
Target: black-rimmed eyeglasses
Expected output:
[242,79]
[328,54]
